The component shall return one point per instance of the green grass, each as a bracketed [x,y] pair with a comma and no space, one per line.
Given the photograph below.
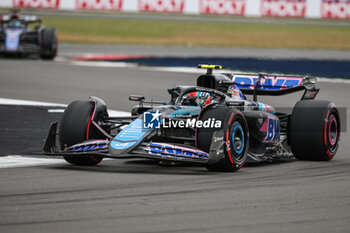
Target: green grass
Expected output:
[149,32]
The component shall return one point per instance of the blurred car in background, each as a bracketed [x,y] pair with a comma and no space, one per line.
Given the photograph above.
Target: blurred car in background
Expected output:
[16,37]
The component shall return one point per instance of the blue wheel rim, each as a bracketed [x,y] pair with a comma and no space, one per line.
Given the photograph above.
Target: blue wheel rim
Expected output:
[238,139]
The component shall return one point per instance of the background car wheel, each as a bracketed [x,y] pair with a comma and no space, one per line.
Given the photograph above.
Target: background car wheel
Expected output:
[75,128]
[48,43]
[235,129]
[314,130]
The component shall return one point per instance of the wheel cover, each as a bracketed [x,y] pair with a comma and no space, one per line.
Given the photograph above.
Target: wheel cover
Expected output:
[238,140]
[333,133]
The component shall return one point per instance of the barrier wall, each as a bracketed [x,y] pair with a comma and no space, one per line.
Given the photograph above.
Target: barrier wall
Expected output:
[338,9]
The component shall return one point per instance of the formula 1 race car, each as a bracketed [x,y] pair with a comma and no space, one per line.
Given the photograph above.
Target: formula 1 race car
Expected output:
[212,123]
[17,38]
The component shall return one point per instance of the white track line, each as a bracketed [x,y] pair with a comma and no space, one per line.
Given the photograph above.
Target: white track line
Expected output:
[55,110]
[13,161]
[21,161]
[104,64]
[6,101]
[333,80]
[115,113]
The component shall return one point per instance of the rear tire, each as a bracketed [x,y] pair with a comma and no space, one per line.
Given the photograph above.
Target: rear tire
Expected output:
[314,130]
[74,128]
[48,43]
[235,129]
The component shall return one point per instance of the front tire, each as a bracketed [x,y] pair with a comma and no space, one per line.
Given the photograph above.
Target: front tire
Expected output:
[314,130]
[74,128]
[236,137]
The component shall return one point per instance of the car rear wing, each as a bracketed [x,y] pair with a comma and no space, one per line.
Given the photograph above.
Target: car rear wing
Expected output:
[265,84]
[26,19]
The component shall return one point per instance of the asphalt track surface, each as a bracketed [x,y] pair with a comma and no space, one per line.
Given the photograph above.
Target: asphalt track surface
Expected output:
[141,196]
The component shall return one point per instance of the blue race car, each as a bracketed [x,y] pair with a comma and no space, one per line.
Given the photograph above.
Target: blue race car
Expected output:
[17,38]
[212,123]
